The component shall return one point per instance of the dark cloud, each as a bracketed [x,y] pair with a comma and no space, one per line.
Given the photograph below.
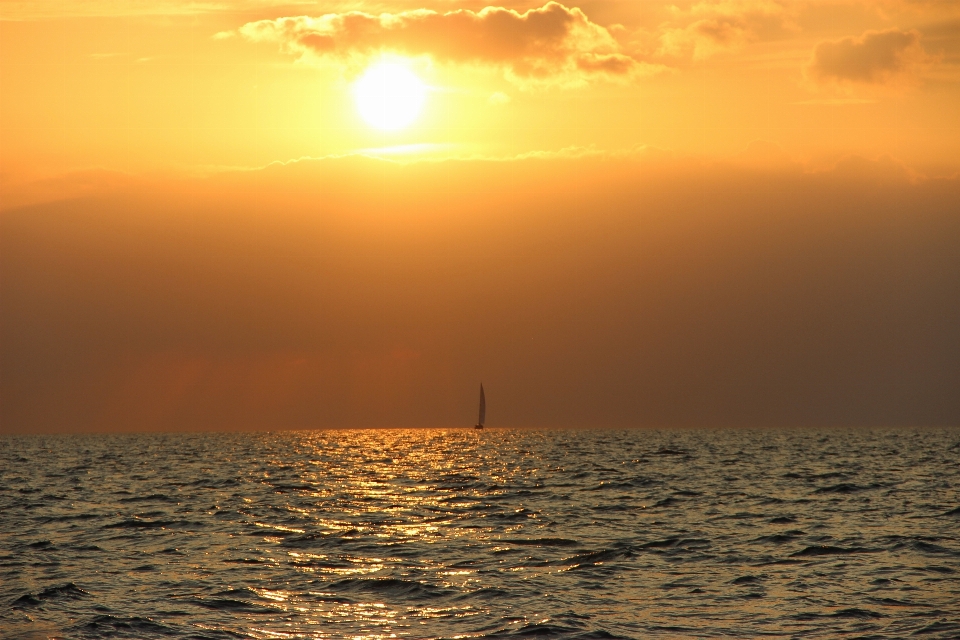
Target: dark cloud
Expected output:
[943,40]
[583,292]
[550,41]
[876,57]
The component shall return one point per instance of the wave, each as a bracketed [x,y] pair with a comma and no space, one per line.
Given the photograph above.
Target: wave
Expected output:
[285,488]
[486,593]
[153,497]
[390,587]
[939,569]
[606,485]
[308,540]
[847,487]
[65,591]
[245,561]
[542,542]
[676,543]
[232,605]
[107,624]
[854,612]
[827,550]
[595,557]
[547,630]
[40,544]
[666,502]
[780,538]
[940,626]
[927,547]
[467,538]
[793,475]
[137,523]
[893,602]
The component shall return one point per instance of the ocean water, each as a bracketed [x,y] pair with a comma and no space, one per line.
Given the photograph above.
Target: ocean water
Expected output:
[500,533]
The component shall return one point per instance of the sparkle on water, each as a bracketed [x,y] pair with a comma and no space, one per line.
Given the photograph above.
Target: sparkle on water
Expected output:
[426,534]
[389,96]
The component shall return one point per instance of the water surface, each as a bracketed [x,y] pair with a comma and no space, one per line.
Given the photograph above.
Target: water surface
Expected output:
[443,534]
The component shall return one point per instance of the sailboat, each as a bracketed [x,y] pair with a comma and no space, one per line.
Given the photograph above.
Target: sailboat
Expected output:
[483,409]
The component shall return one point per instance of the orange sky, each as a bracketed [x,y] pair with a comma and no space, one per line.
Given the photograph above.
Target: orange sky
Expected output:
[175,86]
[613,212]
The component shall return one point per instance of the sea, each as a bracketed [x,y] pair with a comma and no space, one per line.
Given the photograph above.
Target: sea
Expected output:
[457,533]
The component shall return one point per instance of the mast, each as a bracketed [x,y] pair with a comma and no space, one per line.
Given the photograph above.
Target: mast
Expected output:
[483,406]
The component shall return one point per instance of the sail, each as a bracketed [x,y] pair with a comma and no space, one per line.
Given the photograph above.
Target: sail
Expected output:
[483,406]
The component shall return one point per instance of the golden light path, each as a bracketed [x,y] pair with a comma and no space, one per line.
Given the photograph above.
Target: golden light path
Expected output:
[389,96]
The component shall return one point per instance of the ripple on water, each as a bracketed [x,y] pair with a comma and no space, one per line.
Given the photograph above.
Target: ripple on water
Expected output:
[499,534]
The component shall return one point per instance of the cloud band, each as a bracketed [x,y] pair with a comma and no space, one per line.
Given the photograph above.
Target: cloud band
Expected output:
[876,57]
[539,44]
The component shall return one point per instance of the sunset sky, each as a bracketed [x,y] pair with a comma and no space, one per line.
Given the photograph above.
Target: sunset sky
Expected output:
[612,212]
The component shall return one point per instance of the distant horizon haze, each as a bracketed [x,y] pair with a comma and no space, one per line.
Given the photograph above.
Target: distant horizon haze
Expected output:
[588,292]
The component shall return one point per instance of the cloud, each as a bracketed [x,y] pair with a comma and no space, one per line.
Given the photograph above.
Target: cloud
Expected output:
[942,41]
[498,98]
[550,43]
[18,190]
[714,26]
[876,57]
[837,102]
[57,10]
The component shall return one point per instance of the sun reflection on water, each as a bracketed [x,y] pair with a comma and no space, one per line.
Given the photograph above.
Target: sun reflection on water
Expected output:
[404,490]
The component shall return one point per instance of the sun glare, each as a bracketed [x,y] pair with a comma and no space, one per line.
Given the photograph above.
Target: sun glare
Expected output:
[389,96]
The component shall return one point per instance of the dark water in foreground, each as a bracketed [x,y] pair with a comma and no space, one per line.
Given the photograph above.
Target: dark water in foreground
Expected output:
[423,534]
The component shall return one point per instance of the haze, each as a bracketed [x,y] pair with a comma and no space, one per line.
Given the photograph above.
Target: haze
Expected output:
[611,213]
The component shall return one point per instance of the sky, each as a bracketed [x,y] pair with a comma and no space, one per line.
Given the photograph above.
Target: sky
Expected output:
[613,213]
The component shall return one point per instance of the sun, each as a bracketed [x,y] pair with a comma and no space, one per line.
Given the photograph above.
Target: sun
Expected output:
[389,96]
